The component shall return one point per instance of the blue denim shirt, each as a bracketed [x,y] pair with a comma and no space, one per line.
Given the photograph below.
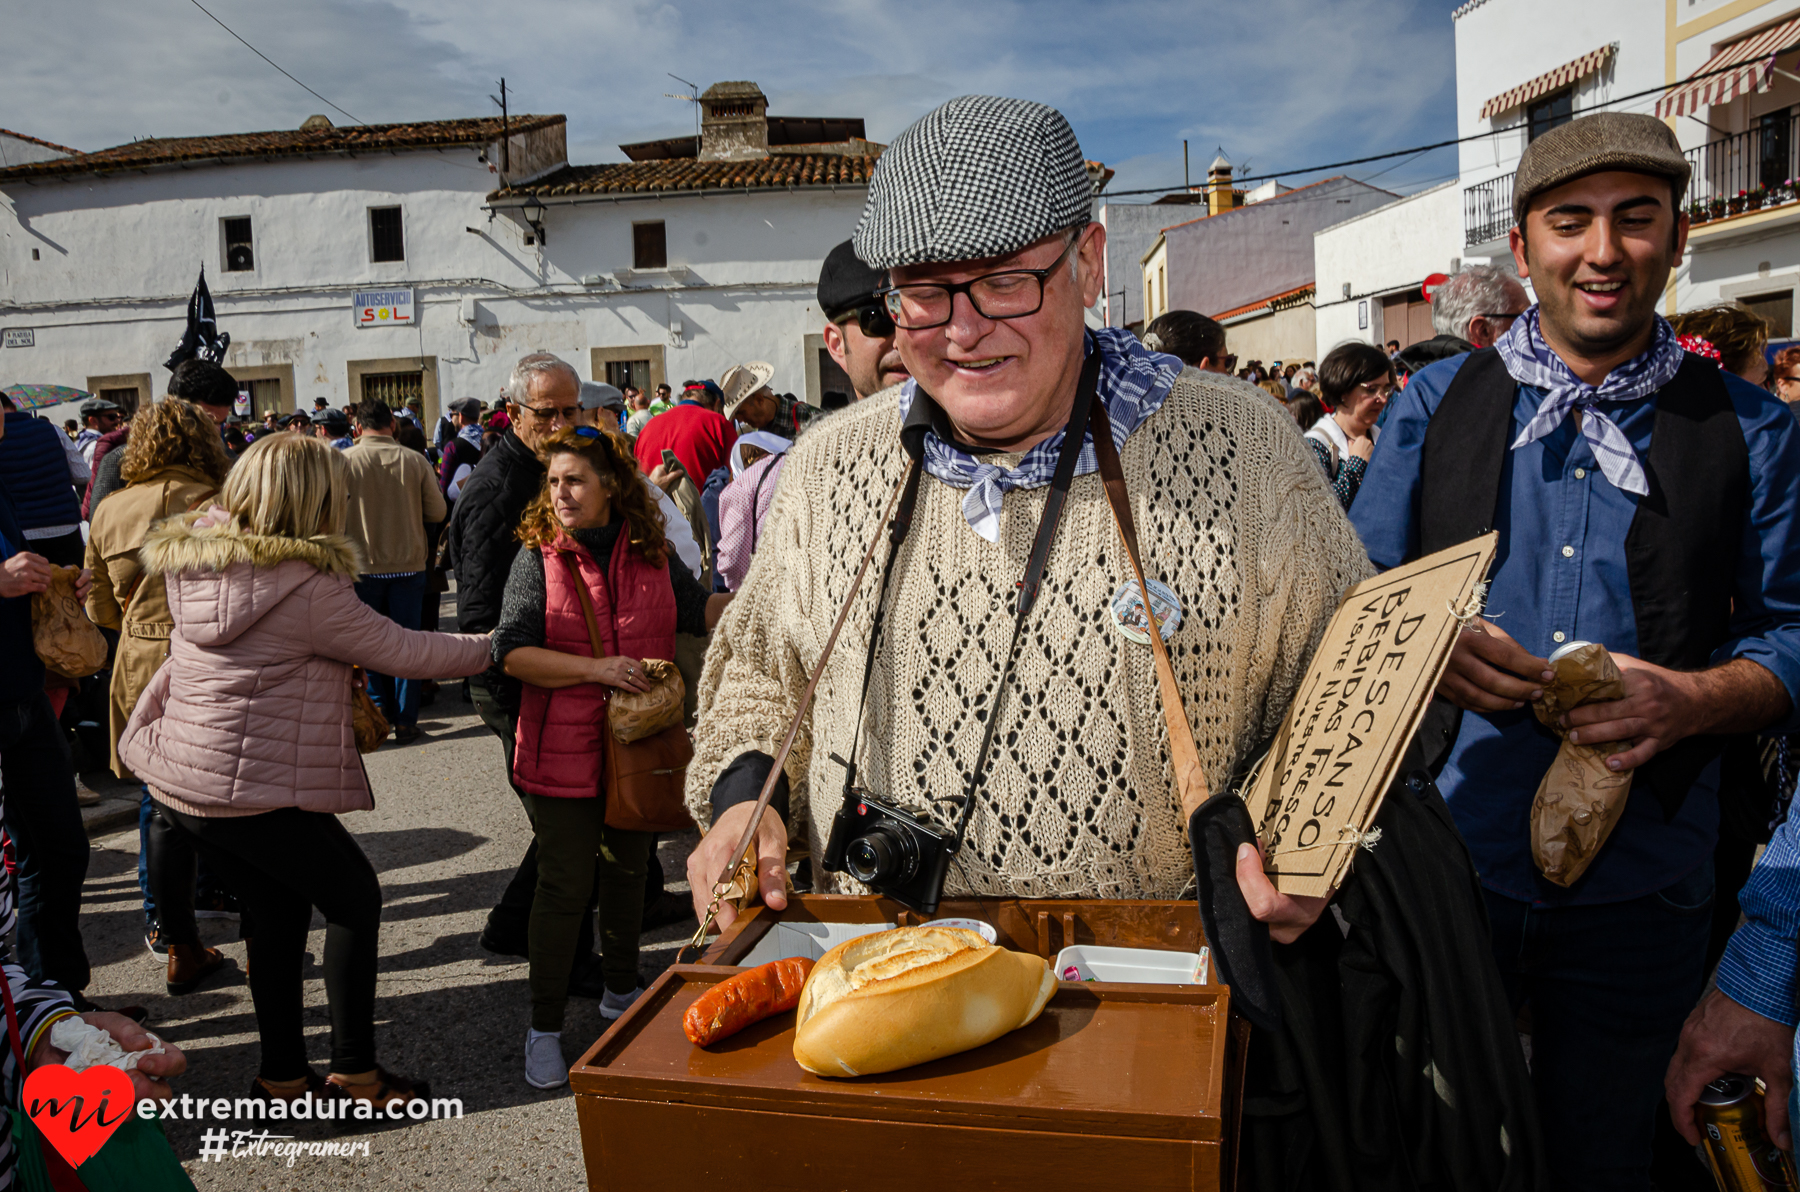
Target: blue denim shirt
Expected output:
[1560,576]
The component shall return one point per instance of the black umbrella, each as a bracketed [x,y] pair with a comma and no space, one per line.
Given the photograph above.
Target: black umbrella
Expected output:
[202,339]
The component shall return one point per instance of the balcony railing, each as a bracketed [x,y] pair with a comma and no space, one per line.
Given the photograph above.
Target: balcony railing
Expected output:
[1487,210]
[1745,172]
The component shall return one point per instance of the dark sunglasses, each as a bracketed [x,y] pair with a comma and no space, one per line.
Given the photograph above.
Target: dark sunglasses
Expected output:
[873,319]
[587,432]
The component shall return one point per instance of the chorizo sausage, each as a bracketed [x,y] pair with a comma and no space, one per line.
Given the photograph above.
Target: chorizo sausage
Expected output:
[749,997]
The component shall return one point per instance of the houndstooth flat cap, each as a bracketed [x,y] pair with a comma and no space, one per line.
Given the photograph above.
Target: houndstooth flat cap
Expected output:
[980,176]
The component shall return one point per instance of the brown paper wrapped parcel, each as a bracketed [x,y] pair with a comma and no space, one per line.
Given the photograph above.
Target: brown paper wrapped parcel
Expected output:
[1580,800]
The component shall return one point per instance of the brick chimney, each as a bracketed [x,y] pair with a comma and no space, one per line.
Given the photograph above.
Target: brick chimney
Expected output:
[1220,194]
[734,122]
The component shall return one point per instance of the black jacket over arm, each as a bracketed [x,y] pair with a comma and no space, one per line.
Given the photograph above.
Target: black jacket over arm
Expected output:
[1397,1064]
[481,541]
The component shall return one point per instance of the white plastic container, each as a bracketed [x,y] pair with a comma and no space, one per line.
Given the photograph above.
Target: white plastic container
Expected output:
[1138,966]
[984,930]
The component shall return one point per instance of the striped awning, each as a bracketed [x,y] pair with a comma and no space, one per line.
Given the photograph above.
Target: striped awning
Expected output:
[1562,76]
[1736,69]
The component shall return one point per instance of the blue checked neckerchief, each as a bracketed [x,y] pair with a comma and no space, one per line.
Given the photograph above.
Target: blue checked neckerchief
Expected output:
[1530,361]
[1133,383]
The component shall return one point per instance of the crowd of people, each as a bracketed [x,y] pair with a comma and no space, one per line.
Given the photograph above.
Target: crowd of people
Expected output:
[270,594]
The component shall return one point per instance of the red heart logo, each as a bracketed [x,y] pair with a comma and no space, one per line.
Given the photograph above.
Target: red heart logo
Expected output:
[78,1111]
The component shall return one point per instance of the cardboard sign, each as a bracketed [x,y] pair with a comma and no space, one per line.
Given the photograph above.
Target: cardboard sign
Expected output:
[1355,713]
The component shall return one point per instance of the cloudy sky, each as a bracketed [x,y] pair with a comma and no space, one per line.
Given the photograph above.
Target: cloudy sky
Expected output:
[1278,84]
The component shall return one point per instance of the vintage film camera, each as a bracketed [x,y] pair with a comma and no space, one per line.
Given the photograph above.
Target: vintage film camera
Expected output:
[888,850]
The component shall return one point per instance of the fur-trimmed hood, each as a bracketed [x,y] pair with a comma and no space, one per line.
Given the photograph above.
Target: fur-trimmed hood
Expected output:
[222,579]
[176,545]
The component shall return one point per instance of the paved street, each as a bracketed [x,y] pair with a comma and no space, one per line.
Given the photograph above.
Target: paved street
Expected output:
[445,834]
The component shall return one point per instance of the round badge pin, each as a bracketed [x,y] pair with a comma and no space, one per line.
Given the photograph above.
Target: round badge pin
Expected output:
[1127,609]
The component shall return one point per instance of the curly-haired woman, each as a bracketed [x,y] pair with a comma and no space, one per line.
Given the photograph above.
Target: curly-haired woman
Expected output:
[595,524]
[245,737]
[173,462]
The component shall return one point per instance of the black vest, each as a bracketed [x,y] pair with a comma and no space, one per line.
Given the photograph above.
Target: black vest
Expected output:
[1681,553]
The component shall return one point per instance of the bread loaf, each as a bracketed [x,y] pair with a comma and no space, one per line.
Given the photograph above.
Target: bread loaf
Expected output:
[898,998]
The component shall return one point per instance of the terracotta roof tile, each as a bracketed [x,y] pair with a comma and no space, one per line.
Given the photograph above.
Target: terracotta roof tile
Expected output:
[1273,301]
[292,142]
[783,171]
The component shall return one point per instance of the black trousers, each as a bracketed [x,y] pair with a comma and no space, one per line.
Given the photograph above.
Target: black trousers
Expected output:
[282,864]
[45,824]
[509,923]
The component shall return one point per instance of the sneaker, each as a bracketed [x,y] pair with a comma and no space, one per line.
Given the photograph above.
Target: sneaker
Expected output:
[545,1067]
[615,1004]
[153,940]
[220,904]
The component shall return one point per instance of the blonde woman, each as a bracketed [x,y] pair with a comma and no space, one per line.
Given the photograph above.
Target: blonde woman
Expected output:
[173,462]
[245,739]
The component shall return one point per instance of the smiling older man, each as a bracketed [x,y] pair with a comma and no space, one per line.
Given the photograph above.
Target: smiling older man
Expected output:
[990,283]
[1048,726]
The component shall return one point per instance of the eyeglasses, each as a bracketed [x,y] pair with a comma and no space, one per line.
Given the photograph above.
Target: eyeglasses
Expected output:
[872,319]
[566,413]
[1008,294]
[1375,389]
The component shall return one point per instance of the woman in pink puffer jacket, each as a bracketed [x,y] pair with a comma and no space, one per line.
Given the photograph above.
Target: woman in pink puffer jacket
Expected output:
[245,738]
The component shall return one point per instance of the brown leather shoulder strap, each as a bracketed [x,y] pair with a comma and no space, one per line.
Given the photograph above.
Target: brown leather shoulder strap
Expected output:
[587,602]
[1190,779]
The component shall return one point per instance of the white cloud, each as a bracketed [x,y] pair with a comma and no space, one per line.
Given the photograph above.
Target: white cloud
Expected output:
[1280,82]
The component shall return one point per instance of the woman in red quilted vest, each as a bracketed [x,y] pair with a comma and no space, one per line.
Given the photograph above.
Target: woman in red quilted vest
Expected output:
[595,525]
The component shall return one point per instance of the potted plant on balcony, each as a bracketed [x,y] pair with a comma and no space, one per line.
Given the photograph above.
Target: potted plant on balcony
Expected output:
[1699,211]
[1753,198]
[1717,207]
[1736,204]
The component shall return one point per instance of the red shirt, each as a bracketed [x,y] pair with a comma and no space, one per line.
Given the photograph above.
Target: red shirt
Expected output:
[700,439]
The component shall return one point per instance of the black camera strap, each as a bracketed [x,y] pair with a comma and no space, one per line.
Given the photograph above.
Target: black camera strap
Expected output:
[1074,435]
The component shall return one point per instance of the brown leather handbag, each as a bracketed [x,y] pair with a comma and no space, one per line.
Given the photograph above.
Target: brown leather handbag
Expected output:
[366,721]
[644,780]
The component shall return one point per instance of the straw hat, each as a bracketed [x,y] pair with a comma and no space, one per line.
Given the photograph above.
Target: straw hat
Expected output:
[742,380]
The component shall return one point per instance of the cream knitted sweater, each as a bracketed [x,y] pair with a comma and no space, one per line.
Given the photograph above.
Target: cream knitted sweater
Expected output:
[1079,800]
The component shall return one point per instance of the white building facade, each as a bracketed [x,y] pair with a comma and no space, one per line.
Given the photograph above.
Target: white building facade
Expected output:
[1370,268]
[466,253]
[1737,122]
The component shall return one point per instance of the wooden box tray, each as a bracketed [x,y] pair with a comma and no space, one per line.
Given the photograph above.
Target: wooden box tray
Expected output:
[1111,1079]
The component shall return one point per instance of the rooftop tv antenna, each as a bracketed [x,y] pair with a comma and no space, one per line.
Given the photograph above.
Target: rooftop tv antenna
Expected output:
[693,98]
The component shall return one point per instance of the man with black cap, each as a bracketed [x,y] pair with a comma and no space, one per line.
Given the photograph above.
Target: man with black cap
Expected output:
[1645,500]
[334,427]
[858,332]
[195,379]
